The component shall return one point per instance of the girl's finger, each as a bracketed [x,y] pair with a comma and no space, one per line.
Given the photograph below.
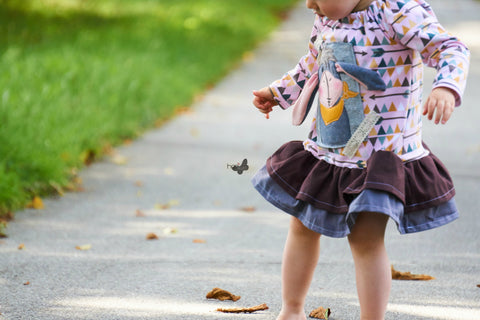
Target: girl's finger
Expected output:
[439,113]
[447,113]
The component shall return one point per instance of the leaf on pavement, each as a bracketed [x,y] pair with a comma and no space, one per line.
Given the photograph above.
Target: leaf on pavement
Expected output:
[168,205]
[199,241]
[84,247]
[170,230]
[21,246]
[320,313]
[220,294]
[399,275]
[119,159]
[260,307]
[248,209]
[139,213]
[151,236]
[36,203]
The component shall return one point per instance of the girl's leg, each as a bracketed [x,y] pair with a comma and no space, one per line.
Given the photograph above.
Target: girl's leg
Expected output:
[372,268]
[300,258]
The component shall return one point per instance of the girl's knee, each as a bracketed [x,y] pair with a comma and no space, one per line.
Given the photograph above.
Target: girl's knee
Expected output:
[298,228]
[369,231]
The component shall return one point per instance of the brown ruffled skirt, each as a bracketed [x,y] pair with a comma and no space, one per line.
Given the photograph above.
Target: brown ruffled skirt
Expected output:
[417,195]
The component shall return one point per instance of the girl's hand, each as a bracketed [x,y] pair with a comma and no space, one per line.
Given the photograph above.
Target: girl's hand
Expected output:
[440,102]
[263,100]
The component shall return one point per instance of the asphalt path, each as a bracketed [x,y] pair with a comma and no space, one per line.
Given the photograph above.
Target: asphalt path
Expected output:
[214,230]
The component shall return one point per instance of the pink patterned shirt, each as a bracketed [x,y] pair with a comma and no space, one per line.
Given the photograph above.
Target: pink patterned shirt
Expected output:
[394,38]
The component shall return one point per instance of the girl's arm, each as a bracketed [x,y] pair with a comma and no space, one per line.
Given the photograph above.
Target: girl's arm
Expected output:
[416,26]
[287,89]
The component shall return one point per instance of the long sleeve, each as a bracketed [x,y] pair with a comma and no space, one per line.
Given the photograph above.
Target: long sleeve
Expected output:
[415,26]
[287,89]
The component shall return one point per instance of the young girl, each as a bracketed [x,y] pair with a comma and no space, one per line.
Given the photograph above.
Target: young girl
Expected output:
[364,160]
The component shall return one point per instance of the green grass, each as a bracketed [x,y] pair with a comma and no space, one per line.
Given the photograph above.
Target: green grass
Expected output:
[80,75]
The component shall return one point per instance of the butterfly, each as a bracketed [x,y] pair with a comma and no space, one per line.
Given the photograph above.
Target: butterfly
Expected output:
[239,168]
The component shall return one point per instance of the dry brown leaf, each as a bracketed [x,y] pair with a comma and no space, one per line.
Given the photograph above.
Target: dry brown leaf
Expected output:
[84,247]
[151,236]
[248,209]
[26,283]
[139,213]
[21,246]
[320,313]
[36,203]
[478,285]
[199,241]
[168,205]
[260,307]
[399,275]
[222,295]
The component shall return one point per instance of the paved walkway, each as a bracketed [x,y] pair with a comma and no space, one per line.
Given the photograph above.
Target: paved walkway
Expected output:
[213,228]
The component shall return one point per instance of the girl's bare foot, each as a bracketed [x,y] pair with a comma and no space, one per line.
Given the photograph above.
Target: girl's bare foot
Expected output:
[291,316]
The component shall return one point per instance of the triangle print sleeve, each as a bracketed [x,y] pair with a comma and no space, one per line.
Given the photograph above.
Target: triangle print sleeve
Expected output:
[287,89]
[416,27]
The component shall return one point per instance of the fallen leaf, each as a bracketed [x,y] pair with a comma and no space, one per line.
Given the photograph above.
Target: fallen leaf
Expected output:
[260,307]
[139,183]
[84,247]
[199,241]
[320,313]
[478,285]
[168,205]
[222,295]
[152,236]
[21,246]
[173,202]
[26,283]
[119,159]
[170,230]
[248,209]
[139,213]
[183,111]
[398,275]
[36,203]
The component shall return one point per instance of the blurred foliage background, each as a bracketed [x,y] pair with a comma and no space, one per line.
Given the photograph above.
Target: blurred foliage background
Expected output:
[79,76]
